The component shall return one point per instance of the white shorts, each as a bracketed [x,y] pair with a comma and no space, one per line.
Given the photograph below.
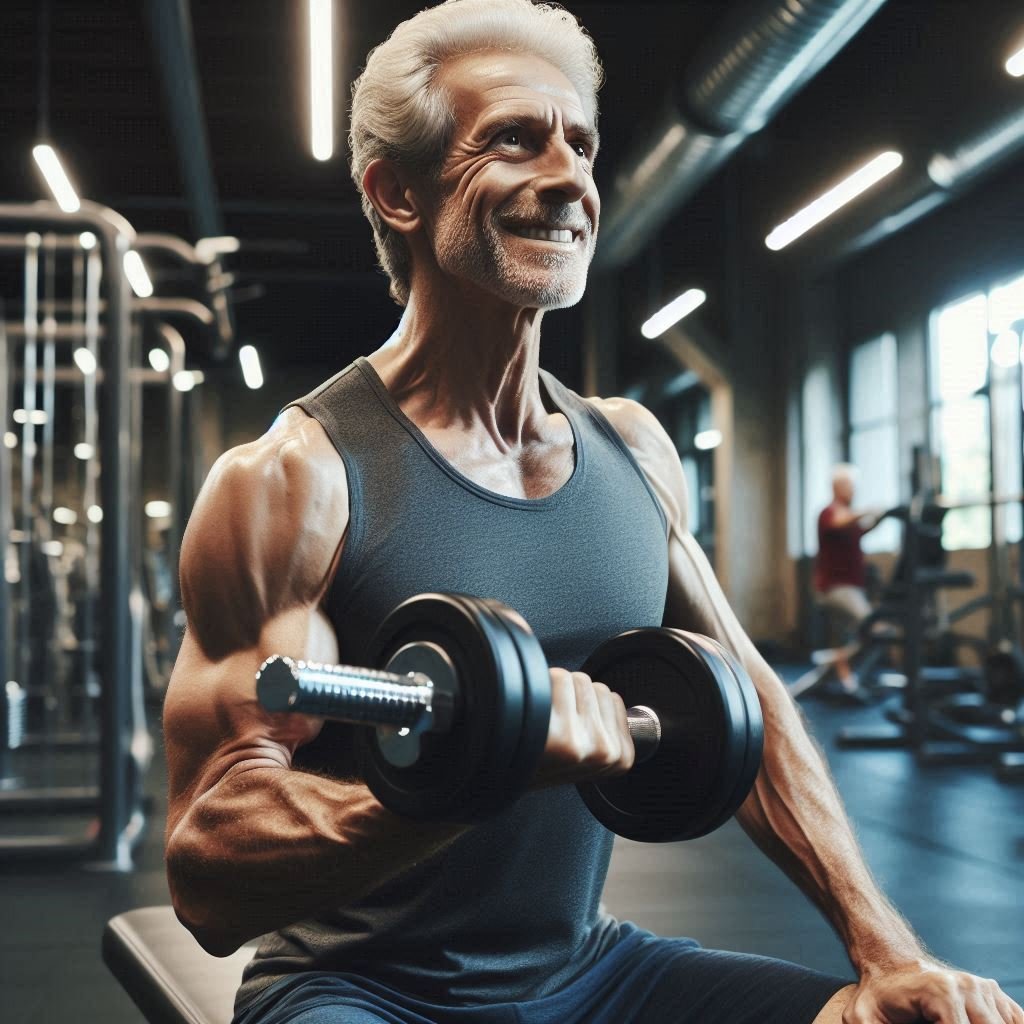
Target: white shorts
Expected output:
[849,603]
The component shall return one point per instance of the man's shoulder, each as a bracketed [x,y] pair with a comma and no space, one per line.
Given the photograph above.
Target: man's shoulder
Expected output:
[267,523]
[653,450]
[292,456]
[638,427]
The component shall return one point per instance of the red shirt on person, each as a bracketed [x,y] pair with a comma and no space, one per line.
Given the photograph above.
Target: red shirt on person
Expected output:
[840,561]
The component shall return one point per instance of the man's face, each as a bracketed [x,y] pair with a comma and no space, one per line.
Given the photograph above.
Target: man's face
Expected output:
[843,488]
[517,209]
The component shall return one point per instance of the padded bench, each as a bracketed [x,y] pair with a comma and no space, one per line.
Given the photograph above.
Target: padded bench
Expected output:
[166,972]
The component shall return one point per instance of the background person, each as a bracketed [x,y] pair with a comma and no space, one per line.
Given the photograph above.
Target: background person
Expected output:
[839,572]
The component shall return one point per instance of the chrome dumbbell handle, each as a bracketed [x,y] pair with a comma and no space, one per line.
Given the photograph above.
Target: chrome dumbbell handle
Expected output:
[345,692]
[379,698]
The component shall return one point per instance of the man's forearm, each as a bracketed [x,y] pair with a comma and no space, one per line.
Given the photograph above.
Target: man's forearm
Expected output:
[268,846]
[796,816]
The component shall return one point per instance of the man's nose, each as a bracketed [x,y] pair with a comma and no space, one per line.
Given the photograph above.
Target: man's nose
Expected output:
[562,175]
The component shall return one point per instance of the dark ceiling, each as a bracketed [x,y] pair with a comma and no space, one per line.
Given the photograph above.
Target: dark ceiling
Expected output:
[918,74]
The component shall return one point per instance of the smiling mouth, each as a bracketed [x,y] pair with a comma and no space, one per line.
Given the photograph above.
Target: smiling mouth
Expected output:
[561,236]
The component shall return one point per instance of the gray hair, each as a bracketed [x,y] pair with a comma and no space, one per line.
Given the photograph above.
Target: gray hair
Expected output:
[845,471]
[401,113]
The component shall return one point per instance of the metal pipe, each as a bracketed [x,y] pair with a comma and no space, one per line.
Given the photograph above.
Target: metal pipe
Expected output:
[6,634]
[90,482]
[49,391]
[16,242]
[73,375]
[757,60]
[948,173]
[176,439]
[28,453]
[181,307]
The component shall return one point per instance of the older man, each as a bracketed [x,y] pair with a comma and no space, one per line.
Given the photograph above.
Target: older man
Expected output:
[448,461]
[839,570]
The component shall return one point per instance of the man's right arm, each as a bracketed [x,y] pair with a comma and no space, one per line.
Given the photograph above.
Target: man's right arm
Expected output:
[839,519]
[253,844]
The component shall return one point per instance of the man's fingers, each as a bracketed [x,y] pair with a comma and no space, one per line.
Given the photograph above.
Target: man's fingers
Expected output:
[1012,1012]
[586,699]
[616,728]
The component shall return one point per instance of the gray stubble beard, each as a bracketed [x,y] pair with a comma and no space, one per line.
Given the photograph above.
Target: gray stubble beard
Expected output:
[484,259]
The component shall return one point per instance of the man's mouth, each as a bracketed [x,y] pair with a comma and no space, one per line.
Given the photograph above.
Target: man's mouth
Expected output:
[563,236]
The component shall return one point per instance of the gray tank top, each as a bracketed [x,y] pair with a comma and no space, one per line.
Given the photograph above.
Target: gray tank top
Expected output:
[512,909]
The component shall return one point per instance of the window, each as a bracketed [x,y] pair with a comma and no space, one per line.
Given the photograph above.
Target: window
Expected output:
[818,428]
[874,435]
[1006,325]
[976,410]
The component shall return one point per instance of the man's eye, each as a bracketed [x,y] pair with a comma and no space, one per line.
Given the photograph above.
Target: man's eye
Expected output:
[582,149]
[509,138]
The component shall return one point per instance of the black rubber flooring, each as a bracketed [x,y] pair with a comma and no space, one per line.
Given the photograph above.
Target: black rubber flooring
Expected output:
[946,842]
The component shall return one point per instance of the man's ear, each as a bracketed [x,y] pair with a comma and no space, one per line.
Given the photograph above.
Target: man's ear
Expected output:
[393,196]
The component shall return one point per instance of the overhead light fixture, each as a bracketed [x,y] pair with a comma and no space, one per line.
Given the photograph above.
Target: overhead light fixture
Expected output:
[673,313]
[57,180]
[10,439]
[138,278]
[159,360]
[85,361]
[87,240]
[52,548]
[835,198]
[707,439]
[1015,65]
[95,514]
[252,372]
[65,516]
[321,79]
[83,451]
[158,509]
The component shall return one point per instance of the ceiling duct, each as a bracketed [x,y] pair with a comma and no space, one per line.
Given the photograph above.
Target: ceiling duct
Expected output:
[756,61]
[947,174]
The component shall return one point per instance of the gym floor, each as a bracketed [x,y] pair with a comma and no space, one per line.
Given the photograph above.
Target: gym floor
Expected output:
[947,843]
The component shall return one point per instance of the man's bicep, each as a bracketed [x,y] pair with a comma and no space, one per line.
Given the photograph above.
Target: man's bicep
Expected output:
[213,722]
[261,548]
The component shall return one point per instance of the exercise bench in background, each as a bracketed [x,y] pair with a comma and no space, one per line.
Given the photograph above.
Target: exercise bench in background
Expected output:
[166,972]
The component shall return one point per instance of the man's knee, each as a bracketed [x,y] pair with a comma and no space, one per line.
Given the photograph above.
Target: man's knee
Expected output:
[832,1011]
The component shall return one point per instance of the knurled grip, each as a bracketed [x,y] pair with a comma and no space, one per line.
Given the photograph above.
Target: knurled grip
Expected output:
[644,730]
[344,692]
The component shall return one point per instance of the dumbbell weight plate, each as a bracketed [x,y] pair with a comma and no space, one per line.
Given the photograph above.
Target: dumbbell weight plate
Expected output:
[462,774]
[755,721]
[711,736]
[536,692]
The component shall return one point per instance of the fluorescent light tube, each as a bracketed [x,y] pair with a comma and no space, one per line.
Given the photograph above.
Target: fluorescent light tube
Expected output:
[673,313]
[824,206]
[49,163]
[251,369]
[321,79]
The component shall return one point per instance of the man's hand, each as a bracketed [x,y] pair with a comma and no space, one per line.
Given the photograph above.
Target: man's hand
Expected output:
[930,991]
[589,734]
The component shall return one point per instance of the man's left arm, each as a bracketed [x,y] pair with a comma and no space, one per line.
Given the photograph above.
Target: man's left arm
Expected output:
[794,812]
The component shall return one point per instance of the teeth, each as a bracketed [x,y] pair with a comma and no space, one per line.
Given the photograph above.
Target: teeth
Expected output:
[545,236]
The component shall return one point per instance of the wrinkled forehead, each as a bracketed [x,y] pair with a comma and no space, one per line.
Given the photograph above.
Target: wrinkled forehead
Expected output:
[480,82]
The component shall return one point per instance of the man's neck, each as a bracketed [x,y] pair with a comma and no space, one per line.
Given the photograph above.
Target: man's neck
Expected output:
[467,363]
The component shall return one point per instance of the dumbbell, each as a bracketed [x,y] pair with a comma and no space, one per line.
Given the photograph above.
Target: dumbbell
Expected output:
[459,708]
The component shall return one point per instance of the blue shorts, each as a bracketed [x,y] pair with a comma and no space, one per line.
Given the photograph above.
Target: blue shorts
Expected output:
[643,979]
